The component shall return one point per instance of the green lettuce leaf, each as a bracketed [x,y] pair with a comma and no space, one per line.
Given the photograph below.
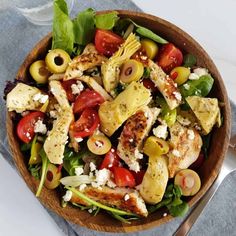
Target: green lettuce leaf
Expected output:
[62,34]
[106,21]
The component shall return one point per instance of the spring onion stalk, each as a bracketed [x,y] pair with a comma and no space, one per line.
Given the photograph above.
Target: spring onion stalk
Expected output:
[92,202]
[45,162]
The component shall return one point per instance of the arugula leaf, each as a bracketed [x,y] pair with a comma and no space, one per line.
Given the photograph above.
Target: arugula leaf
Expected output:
[26,146]
[106,21]
[84,27]
[159,205]
[35,171]
[62,34]
[72,160]
[45,162]
[189,60]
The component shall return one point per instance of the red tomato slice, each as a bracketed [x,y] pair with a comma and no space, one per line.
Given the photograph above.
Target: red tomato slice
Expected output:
[67,86]
[25,127]
[138,176]
[123,177]
[110,160]
[87,99]
[107,42]
[149,85]
[169,57]
[86,124]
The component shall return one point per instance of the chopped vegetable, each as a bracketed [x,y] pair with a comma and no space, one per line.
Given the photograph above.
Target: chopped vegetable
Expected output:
[53,177]
[123,177]
[189,60]
[34,153]
[180,74]
[106,21]
[150,48]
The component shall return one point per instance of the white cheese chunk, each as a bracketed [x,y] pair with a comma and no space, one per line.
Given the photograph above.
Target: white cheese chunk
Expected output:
[40,127]
[200,71]
[160,131]
[79,170]
[67,196]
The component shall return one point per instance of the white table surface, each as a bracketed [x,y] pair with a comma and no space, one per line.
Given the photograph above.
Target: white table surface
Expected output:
[210,22]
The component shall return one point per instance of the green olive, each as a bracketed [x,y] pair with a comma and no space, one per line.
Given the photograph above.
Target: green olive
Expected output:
[131,70]
[180,74]
[57,60]
[155,146]
[189,182]
[53,177]
[39,72]
[99,144]
[150,47]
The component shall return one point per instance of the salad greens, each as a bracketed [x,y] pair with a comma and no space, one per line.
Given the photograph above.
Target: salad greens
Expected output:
[106,21]
[45,163]
[168,115]
[62,34]
[35,170]
[189,60]
[172,200]
[200,87]
[72,160]
[84,27]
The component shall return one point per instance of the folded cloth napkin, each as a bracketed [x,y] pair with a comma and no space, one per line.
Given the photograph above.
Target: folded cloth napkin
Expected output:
[17,38]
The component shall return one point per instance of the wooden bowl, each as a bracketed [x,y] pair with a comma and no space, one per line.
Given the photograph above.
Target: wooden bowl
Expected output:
[209,170]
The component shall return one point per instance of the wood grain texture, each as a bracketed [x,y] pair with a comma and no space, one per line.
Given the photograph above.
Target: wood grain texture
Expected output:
[208,172]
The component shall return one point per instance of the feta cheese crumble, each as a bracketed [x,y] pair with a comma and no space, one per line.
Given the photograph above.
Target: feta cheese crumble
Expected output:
[177,96]
[82,187]
[79,170]
[176,153]
[160,131]
[40,97]
[53,114]
[67,196]
[186,86]
[200,71]
[102,176]
[137,154]
[190,134]
[77,88]
[78,140]
[134,166]
[92,166]
[126,197]
[193,76]
[40,127]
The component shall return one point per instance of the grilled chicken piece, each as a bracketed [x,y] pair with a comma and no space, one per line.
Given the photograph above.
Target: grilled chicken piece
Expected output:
[165,85]
[115,198]
[185,146]
[135,130]
[55,142]
[87,60]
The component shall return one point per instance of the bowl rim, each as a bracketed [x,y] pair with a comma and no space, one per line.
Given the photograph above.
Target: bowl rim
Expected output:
[147,225]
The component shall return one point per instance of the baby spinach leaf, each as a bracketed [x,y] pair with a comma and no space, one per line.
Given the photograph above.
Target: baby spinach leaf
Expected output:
[179,210]
[106,21]
[62,34]
[200,87]
[84,27]
[159,205]
[189,60]
[26,146]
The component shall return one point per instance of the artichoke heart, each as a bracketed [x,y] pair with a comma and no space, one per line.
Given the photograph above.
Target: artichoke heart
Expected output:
[110,69]
[114,113]
[206,110]
[54,145]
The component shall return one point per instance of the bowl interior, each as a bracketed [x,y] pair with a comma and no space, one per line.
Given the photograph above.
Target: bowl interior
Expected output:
[209,170]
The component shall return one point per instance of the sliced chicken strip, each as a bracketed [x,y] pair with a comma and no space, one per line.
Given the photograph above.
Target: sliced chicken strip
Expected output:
[185,146]
[115,198]
[135,130]
[165,84]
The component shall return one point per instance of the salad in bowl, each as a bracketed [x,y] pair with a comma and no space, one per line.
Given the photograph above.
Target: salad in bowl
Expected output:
[114,117]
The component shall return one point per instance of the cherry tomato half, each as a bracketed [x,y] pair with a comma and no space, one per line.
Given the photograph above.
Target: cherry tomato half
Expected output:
[67,86]
[87,99]
[110,160]
[123,177]
[107,42]
[169,57]
[25,127]
[86,124]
